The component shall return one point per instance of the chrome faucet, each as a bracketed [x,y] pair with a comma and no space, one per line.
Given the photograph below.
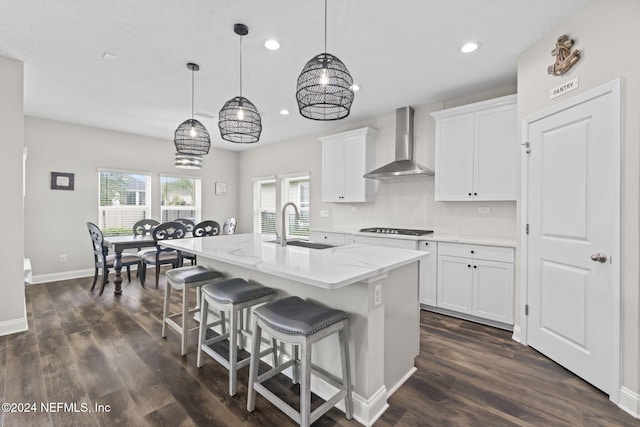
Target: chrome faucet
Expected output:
[283,238]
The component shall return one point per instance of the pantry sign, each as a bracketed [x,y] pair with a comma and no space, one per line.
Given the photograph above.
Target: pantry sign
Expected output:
[563,88]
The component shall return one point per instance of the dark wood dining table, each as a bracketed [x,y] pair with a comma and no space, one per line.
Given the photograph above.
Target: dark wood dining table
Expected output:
[120,243]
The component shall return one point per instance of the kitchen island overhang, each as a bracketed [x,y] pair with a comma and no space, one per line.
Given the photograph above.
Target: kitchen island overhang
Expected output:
[377,286]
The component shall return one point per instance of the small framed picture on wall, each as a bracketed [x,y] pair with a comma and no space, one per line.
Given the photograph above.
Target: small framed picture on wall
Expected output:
[221,188]
[62,181]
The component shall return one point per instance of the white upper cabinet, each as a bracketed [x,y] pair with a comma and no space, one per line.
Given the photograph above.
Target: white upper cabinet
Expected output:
[477,151]
[346,157]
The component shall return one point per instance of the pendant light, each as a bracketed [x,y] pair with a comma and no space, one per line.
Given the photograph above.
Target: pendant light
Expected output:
[239,120]
[191,138]
[325,87]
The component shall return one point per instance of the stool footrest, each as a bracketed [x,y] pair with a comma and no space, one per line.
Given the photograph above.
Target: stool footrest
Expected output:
[320,410]
[280,404]
[328,377]
[274,371]
[176,327]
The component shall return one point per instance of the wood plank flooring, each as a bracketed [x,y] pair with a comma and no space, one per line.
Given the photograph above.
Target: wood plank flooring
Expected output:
[87,349]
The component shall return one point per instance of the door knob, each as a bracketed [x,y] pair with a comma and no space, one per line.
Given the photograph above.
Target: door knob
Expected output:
[599,257]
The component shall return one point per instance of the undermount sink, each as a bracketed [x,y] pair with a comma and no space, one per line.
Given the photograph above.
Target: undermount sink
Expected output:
[304,244]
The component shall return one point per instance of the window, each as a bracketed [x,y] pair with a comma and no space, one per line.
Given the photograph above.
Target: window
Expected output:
[180,198]
[296,190]
[124,198]
[264,195]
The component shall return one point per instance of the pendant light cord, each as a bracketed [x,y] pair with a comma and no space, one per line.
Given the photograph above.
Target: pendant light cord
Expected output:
[240,65]
[325,26]
[192,90]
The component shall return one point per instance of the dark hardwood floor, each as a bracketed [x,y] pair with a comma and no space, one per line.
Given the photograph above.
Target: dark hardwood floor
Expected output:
[99,350]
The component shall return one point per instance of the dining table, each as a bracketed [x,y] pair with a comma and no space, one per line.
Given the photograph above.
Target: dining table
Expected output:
[120,243]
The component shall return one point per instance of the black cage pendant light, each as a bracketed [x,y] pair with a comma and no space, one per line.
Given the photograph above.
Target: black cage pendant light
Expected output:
[239,120]
[325,87]
[191,138]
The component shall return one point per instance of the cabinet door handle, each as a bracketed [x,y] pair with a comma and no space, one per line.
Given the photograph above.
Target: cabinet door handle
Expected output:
[469,193]
[472,252]
[475,194]
[469,265]
[475,266]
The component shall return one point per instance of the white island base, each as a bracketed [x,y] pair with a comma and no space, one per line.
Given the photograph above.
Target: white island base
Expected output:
[383,305]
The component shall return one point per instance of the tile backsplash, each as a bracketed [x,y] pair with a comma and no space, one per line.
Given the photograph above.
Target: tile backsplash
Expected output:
[408,203]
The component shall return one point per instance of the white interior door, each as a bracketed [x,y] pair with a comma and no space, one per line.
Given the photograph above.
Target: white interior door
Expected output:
[572,253]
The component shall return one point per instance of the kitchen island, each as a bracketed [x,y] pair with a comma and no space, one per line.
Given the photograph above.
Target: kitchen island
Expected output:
[377,286]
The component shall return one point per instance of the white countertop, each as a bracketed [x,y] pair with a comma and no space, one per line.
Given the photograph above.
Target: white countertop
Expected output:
[437,237]
[326,268]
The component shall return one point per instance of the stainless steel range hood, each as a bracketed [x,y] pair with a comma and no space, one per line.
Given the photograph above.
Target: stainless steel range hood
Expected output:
[404,165]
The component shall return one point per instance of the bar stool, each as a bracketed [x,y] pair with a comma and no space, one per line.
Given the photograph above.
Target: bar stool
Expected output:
[233,296]
[301,324]
[185,278]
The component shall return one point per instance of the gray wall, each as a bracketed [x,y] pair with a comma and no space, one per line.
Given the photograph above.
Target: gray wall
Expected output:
[12,304]
[55,219]
[606,32]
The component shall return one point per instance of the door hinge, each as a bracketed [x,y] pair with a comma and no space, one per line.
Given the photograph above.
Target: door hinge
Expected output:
[526,309]
[527,229]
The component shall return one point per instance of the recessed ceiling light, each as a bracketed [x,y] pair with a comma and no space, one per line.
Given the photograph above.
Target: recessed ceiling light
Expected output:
[284,112]
[108,56]
[355,87]
[272,44]
[469,47]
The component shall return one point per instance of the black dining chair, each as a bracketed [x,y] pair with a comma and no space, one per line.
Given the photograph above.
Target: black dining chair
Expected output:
[144,227]
[187,223]
[162,255]
[103,261]
[202,229]
[206,228]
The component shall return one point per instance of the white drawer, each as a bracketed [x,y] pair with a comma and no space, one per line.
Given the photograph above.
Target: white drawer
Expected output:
[383,241]
[489,253]
[336,239]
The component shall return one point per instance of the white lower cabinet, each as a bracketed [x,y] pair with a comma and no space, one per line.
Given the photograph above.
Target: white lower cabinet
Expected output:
[476,280]
[428,273]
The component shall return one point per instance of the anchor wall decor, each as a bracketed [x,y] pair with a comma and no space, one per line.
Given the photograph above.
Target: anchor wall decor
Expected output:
[564,57]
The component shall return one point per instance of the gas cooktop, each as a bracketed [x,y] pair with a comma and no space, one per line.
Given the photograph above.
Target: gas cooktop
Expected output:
[398,231]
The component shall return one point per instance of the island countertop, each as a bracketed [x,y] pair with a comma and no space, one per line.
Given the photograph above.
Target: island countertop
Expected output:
[329,268]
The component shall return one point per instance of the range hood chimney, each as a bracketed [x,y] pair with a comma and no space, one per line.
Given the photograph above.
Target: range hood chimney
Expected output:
[403,165]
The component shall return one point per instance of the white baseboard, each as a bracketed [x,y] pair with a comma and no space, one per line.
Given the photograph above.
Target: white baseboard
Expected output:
[13,326]
[629,402]
[517,334]
[73,274]
[403,380]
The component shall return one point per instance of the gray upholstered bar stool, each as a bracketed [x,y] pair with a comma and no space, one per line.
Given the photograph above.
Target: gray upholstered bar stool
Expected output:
[185,278]
[233,296]
[301,323]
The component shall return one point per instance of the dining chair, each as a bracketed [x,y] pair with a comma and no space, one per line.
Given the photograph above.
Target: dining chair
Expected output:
[162,255]
[187,223]
[229,226]
[206,228]
[103,261]
[144,227]
[202,229]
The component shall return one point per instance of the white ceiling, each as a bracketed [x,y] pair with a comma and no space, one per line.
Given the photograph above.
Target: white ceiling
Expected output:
[401,52]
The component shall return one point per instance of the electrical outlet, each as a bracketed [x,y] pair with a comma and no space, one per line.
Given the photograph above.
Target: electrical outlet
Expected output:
[355,209]
[63,258]
[324,213]
[484,209]
[377,295]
